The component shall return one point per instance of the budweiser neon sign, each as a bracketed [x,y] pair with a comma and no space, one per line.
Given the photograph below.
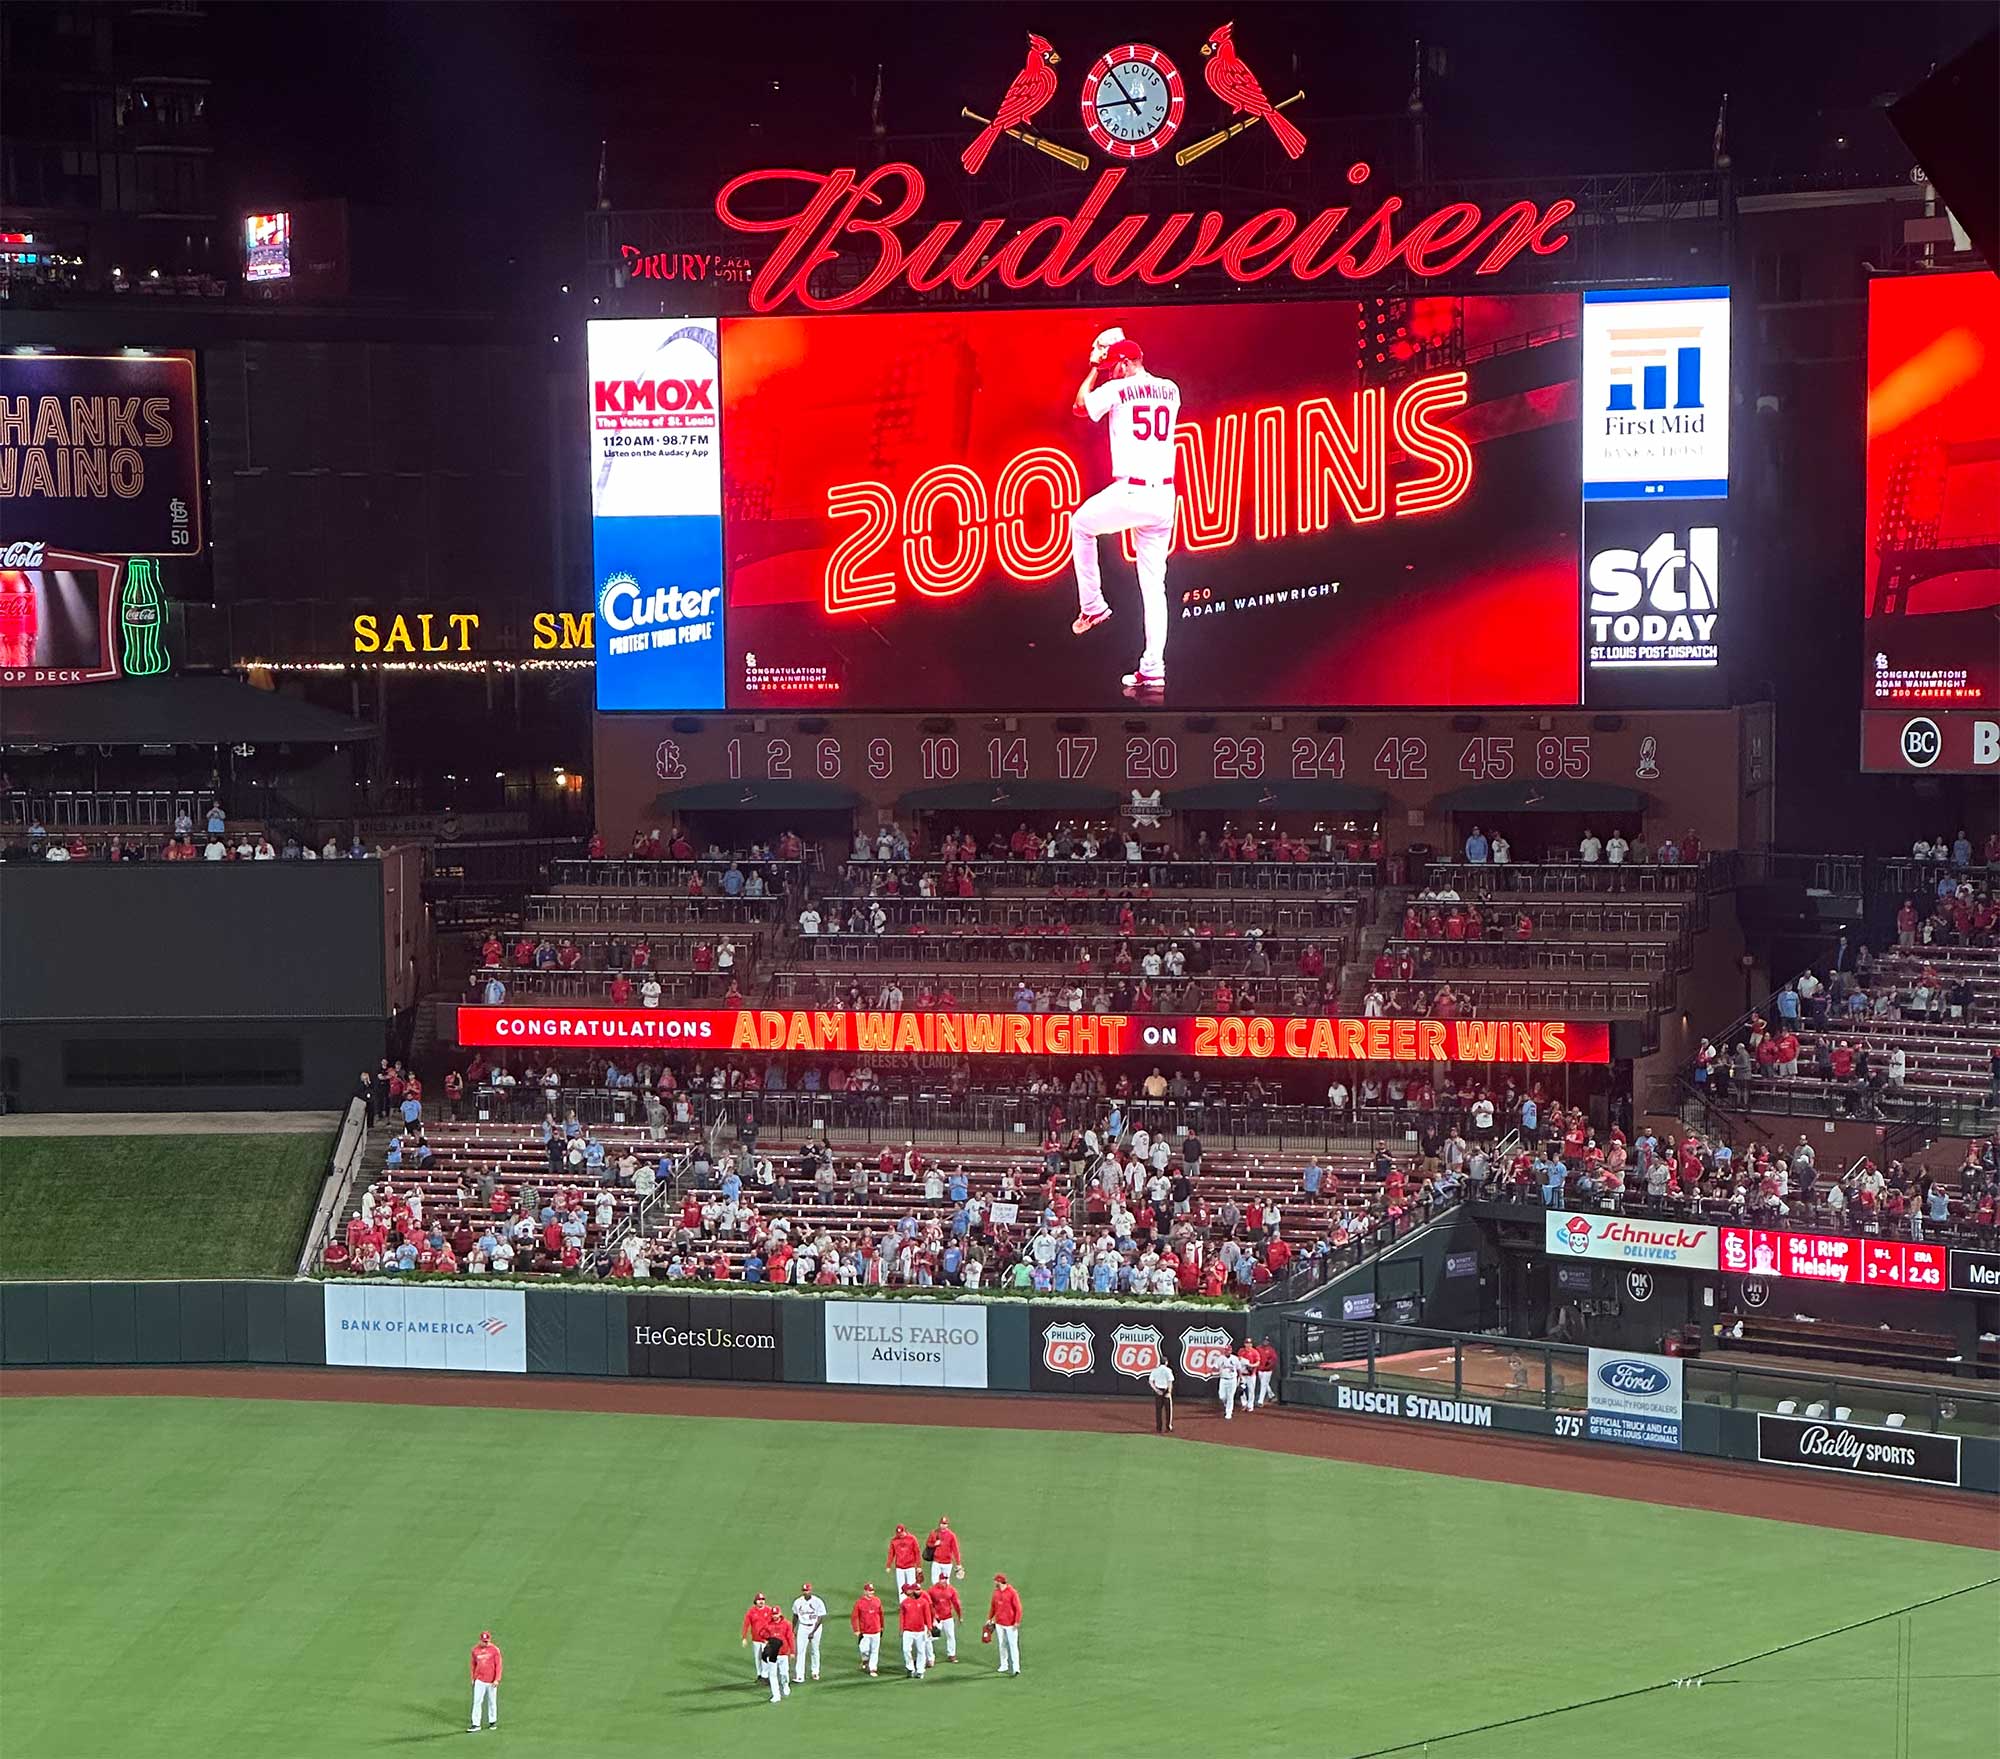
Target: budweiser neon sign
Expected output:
[869,221]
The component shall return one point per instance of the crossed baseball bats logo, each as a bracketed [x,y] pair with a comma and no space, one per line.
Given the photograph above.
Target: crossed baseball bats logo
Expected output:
[1228,76]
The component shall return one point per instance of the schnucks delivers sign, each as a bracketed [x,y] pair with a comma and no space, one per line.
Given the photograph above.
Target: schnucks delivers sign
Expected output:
[1254,1037]
[1625,1240]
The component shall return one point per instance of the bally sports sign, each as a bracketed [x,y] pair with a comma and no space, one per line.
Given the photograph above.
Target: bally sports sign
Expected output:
[1628,1240]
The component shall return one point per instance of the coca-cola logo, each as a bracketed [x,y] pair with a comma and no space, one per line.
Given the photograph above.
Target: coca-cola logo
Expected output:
[1068,1349]
[23,553]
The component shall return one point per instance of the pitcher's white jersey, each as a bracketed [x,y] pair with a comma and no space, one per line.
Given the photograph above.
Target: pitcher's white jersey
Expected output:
[1143,411]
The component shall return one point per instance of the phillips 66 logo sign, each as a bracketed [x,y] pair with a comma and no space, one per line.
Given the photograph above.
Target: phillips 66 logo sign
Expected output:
[1202,1350]
[1067,1348]
[1135,1350]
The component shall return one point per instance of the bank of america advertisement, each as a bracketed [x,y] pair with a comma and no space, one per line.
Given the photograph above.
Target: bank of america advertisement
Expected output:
[656,506]
[1656,394]
[397,1325]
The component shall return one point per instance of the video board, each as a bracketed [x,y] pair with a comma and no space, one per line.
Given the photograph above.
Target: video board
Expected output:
[1931,564]
[1385,502]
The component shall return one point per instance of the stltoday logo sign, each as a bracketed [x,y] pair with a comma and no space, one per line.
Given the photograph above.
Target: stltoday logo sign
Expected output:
[1654,595]
[1656,394]
[1860,1450]
[1683,1246]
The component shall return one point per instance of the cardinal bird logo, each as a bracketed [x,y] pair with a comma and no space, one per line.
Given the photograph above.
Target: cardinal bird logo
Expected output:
[1033,87]
[1233,82]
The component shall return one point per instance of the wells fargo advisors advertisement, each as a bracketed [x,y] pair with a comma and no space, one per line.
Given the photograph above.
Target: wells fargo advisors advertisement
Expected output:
[1352,501]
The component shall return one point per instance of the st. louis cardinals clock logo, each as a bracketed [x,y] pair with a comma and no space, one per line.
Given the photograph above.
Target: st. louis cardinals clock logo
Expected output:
[1132,105]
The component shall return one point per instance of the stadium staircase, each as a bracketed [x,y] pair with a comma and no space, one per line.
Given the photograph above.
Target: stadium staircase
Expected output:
[1355,976]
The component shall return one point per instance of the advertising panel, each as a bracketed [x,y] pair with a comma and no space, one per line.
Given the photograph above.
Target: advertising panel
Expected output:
[398,1325]
[1365,1401]
[1974,1272]
[267,247]
[1932,558]
[704,1337]
[57,622]
[656,506]
[906,1343]
[101,453]
[1635,1398]
[1654,583]
[1835,1258]
[1235,1037]
[1107,1352]
[1676,1245]
[1859,1449]
[1334,502]
[1656,394]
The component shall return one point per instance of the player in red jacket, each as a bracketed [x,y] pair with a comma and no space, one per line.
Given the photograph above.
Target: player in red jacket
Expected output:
[865,1620]
[904,1556]
[945,1608]
[1004,1615]
[779,1648]
[486,1669]
[943,1543]
[757,1629]
[914,1616]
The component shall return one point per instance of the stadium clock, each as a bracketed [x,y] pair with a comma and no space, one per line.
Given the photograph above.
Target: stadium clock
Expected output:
[1133,101]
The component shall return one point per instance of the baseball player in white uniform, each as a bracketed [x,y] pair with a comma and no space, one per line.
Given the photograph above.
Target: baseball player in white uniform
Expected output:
[808,1614]
[1143,411]
[1226,1375]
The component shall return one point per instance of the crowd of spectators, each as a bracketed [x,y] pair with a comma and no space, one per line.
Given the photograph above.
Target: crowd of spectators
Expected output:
[1691,1173]
[211,840]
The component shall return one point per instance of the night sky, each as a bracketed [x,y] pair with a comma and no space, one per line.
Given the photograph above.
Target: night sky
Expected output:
[489,116]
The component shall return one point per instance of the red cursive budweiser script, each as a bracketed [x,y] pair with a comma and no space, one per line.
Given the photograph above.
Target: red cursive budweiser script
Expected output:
[844,214]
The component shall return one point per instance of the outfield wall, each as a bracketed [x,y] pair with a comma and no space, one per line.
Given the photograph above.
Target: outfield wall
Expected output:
[658,1332]
[1941,1436]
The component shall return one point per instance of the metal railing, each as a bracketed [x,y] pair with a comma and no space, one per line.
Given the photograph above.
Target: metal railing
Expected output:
[1800,1218]
[1311,1272]
[1553,1377]
[1162,873]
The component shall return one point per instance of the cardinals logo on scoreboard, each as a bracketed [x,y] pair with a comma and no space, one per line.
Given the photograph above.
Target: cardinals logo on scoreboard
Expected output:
[1132,103]
[1202,1350]
[1067,1348]
[1135,1350]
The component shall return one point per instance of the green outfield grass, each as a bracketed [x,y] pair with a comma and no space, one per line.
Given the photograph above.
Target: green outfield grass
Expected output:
[121,1207]
[233,1579]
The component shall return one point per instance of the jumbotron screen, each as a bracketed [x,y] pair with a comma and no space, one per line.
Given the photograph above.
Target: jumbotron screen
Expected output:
[1933,528]
[1363,502]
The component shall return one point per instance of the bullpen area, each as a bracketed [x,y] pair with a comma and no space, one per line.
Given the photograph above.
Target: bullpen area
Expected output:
[297,1561]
